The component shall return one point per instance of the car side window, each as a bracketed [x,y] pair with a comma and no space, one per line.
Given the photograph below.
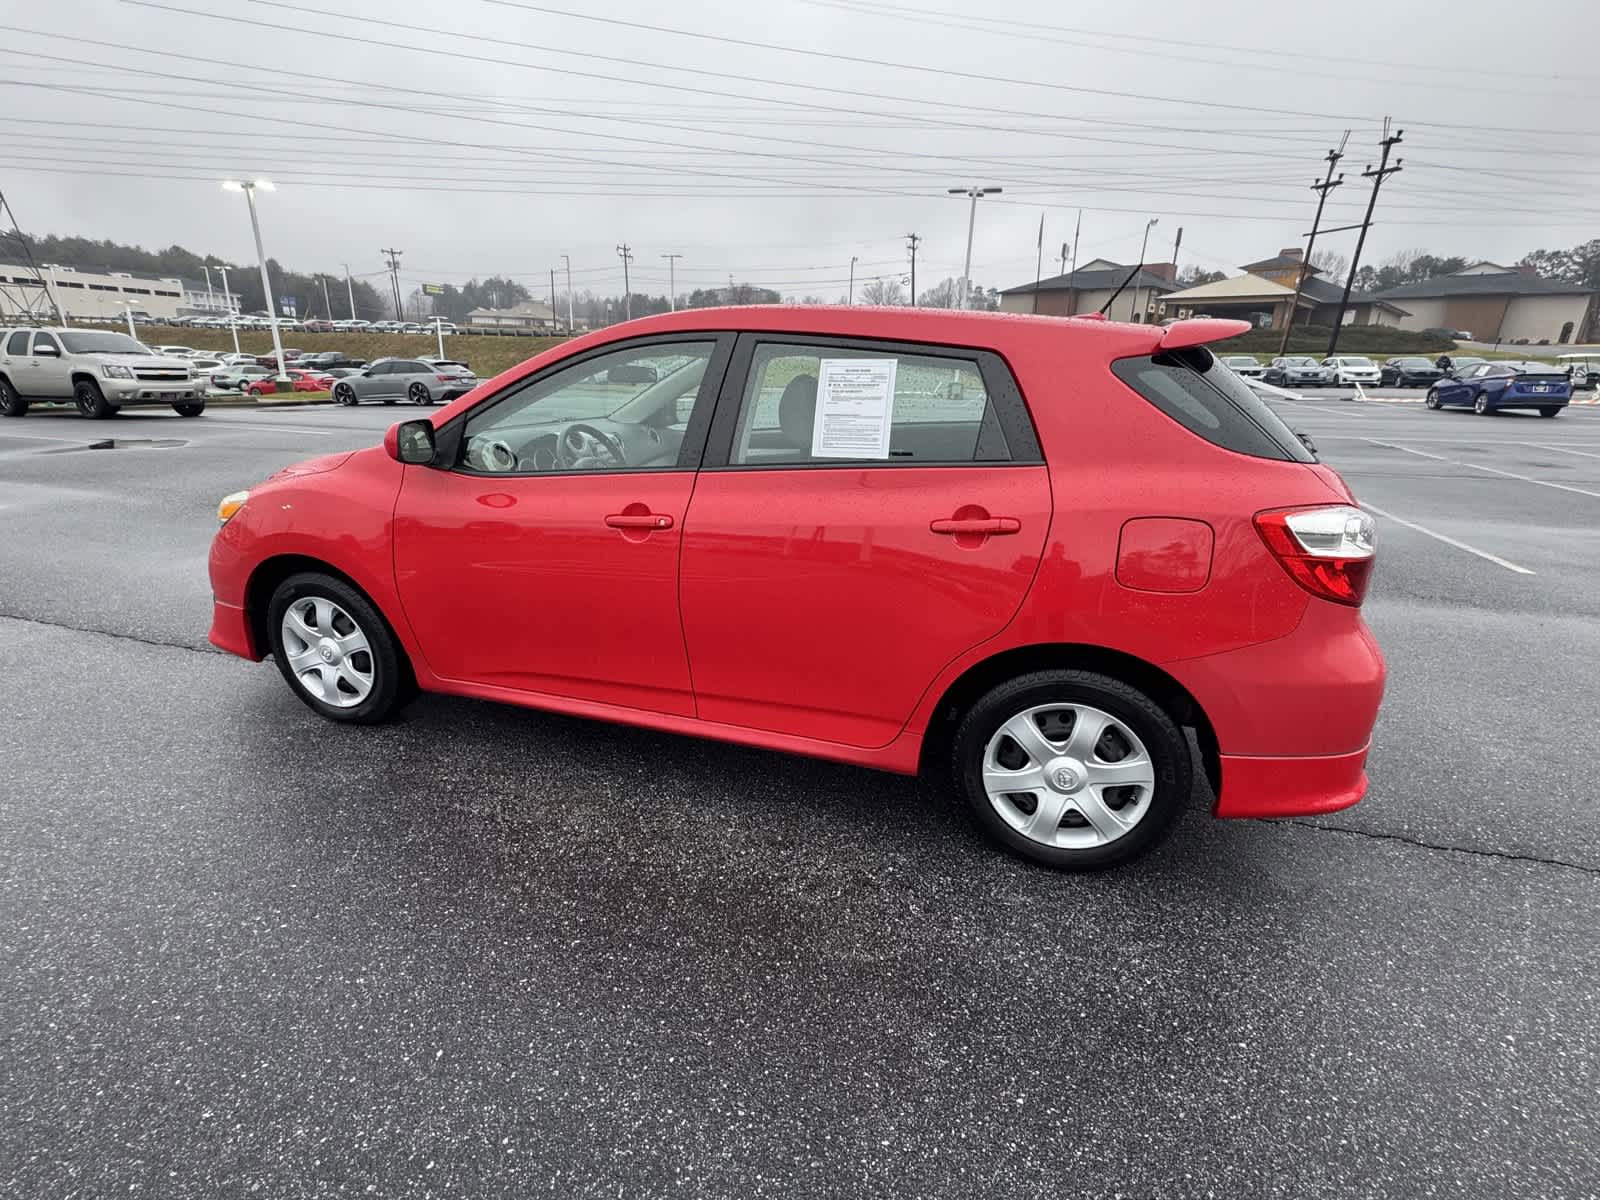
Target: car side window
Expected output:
[797,402]
[626,410]
[17,343]
[45,339]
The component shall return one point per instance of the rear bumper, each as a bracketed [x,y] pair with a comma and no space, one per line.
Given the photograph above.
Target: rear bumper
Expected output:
[1290,787]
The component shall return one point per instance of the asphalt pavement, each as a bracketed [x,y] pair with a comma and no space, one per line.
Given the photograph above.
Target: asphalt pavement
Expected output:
[489,952]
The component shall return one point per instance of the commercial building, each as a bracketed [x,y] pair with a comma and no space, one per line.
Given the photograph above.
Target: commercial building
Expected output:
[1264,293]
[85,295]
[530,316]
[1087,289]
[1500,304]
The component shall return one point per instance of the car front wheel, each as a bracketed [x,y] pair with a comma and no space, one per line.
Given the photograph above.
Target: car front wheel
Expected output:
[1433,399]
[91,401]
[1481,405]
[335,651]
[190,408]
[1072,769]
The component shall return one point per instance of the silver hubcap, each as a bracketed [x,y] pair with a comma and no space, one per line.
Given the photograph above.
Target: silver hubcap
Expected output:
[327,651]
[1068,776]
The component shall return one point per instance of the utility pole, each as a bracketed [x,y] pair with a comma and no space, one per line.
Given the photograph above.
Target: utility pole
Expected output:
[1133,301]
[850,297]
[1383,172]
[972,218]
[1038,263]
[672,279]
[1177,246]
[552,297]
[233,312]
[625,253]
[211,297]
[394,281]
[1065,246]
[327,305]
[571,329]
[350,291]
[911,244]
[1077,236]
[1322,189]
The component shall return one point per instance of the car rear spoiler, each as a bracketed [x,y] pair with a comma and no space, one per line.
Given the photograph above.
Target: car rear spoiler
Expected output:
[1197,331]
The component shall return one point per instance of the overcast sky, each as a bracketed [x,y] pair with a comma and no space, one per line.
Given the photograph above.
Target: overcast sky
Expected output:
[775,140]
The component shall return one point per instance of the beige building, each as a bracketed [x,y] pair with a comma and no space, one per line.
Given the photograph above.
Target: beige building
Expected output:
[1087,289]
[1264,293]
[85,295]
[529,315]
[1499,304]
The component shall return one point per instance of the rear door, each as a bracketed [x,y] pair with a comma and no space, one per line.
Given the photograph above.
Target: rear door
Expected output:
[830,567]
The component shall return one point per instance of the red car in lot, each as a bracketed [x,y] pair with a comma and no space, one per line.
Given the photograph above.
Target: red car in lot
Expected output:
[304,381]
[1026,552]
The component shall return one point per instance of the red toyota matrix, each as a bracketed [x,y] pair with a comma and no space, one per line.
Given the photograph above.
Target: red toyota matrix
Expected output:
[1031,551]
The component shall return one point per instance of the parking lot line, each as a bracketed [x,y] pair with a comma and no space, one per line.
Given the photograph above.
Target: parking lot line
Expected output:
[1560,449]
[1561,487]
[1448,540]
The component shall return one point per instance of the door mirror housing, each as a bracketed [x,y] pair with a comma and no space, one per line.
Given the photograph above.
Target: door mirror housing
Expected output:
[47,351]
[411,442]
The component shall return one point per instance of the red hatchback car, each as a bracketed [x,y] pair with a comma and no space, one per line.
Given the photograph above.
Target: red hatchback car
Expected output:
[1029,551]
[302,381]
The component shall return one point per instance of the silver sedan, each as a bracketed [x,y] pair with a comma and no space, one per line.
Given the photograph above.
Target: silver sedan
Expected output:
[391,380]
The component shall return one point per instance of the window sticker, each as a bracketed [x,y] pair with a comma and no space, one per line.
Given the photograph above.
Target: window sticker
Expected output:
[854,399]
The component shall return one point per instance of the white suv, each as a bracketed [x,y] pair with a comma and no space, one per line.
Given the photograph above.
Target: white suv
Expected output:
[98,371]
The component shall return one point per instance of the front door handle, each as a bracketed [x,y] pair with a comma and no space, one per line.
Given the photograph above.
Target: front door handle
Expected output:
[983,526]
[638,520]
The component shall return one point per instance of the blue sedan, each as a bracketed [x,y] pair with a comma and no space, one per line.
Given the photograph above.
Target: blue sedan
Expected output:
[1489,387]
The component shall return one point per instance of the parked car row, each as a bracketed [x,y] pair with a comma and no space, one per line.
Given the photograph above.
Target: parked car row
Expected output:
[1406,370]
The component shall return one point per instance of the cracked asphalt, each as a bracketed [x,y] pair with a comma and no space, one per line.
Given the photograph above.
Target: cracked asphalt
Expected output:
[488,952]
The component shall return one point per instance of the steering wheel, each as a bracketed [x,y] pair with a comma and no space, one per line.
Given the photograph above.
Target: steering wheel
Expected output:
[583,445]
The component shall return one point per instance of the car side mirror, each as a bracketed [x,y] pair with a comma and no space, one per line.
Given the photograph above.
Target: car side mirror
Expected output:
[411,442]
[47,351]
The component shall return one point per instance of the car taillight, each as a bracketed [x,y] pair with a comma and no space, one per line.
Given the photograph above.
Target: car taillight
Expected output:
[445,378]
[1326,550]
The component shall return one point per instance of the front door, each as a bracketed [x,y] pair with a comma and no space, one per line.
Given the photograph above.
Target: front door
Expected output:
[48,378]
[545,560]
[825,587]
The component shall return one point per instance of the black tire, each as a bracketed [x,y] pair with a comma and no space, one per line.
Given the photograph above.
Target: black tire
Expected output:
[392,684]
[1163,741]
[1480,405]
[418,393]
[11,404]
[190,408]
[91,401]
[344,394]
[1433,399]
[1548,412]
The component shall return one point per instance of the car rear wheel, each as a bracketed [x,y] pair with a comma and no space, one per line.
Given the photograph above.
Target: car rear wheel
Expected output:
[191,408]
[1072,769]
[1481,405]
[335,651]
[91,401]
[419,394]
[11,404]
[1548,412]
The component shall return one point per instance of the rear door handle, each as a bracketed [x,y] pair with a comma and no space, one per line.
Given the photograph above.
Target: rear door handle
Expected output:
[639,521]
[981,525]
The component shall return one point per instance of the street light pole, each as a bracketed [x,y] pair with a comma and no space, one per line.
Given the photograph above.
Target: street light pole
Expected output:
[349,291]
[249,190]
[567,262]
[233,315]
[972,218]
[326,303]
[211,298]
[672,279]
[127,311]
[1133,301]
[850,299]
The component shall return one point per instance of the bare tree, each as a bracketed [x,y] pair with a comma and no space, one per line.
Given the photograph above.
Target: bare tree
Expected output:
[1331,263]
[883,291]
[944,294]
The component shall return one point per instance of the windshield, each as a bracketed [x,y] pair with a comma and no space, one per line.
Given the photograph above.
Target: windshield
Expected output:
[90,342]
[1410,362]
[1356,362]
[1299,362]
[1242,360]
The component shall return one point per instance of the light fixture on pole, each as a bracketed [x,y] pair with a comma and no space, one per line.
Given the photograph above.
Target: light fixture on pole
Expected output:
[127,311]
[250,189]
[972,218]
[1133,302]
[233,309]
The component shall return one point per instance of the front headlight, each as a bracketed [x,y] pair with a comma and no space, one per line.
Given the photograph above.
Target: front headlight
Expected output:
[115,371]
[230,505]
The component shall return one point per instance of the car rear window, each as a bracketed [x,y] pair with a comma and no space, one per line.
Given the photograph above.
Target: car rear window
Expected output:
[1196,391]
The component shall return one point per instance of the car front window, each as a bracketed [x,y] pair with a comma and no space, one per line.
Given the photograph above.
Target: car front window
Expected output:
[91,342]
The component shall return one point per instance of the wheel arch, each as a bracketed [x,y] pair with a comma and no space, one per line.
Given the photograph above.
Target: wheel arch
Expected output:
[1161,687]
[270,572]
[80,375]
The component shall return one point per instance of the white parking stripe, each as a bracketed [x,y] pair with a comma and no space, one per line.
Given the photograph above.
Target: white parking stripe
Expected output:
[1560,449]
[1447,540]
[1560,487]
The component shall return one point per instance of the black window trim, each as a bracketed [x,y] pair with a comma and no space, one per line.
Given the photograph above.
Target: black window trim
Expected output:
[27,342]
[1005,403]
[43,333]
[447,438]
